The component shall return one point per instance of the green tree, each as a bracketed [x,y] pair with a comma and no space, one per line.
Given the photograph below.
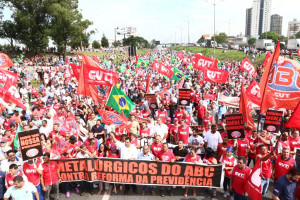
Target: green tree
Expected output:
[136,41]
[96,44]
[221,38]
[67,26]
[269,35]
[31,19]
[8,30]
[251,41]
[104,41]
[117,43]
[201,40]
[297,35]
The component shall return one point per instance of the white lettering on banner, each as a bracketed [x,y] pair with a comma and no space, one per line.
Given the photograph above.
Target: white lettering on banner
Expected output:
[164,69]
[283,165]
[255,91]
[30,170]
[14,92]
[249,67]
[214,75]
[98,76]
[281,95]
[239,174]
[156,65]
[205,63]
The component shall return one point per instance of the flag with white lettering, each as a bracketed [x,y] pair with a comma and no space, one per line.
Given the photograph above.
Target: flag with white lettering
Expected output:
[215,75]
[98,76]
[247,66]
[200,62]
[162,69]
[5,75]
[245,109]
[253,93]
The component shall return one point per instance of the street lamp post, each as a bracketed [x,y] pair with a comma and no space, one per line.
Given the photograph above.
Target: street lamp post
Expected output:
[214,27]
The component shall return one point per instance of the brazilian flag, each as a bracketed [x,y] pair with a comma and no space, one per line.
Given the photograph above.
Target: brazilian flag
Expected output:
[142,63]
[121,68]
[174,61]
[177,74]
[120,102]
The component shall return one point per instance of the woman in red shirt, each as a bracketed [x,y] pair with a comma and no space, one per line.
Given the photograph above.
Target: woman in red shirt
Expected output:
[102,153]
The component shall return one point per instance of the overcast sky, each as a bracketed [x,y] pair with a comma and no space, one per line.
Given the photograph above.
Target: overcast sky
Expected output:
[165,20]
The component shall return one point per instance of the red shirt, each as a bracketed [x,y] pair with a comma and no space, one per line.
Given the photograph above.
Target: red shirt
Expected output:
[113,151]
[240,179]
[283,144]
[221,149]
[32,175]
[163,115]
[252,148]
[146,113]
[178,114]
[49,173]
[282,167]
[134,142]
[266,167]
[145,132]
[201,111]
[6,124]
[10,178]
[208,160]
[207,119]
[166,156]
[165,102]
[183,134]
[188,158]
[294,143]
[188,119]
[243,147]
[156,149]
[228,162]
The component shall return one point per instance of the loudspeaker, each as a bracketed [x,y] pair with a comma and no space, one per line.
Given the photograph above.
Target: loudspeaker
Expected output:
[132,51]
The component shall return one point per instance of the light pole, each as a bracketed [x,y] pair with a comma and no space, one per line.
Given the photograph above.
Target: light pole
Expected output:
[188,32]
[214,27]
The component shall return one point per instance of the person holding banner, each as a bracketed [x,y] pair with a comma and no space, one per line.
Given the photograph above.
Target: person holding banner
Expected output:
[283,163]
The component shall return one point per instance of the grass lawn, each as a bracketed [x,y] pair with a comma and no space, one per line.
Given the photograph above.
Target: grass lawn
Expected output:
[35,83]
[102,53]
[229,55]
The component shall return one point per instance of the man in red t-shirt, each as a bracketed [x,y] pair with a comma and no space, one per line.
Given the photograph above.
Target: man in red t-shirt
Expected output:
[183,132]
[201,109]
[50,178]
[242,146]
[294,141]
[157,146]
[283,164]
[239,177]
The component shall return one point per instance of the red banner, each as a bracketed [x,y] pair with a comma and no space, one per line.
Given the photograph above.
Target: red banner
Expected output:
[211,97]
[5,61]
[245,109]
[253,93]
[280,83]
[215,75]
[76,70]
[200,62]
[98,76]
[9,93]
[7,75]
[247,66]
[112,118]
[162,69]
[180,55]
[294,120]
[96,59]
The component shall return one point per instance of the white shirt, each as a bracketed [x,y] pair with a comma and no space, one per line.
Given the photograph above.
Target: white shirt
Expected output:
[213,139]
[46,130]
[127,152]
[21,194]
[161,131]
[196,141]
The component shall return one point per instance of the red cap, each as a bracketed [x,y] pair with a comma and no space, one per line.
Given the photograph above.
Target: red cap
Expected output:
[168,119]
[176,119]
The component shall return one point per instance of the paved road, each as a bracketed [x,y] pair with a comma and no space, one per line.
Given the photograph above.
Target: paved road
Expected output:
[202,194]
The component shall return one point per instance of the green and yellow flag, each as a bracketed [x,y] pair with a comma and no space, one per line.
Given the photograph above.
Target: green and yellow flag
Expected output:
[16,140]
[120,102]
[142,63]
[177,74]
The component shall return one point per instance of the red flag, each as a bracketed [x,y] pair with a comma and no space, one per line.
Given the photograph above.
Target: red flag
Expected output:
[79,57]
[215,75]
[112,118]
[76,70]
[13,95]
[5,61]
[267,58]
[294,120]
[96,59]
[211,97]
[86,60]
[180,55]
[200,62]
[165,91]
[280,83]
[72,125]
[67,73]
[98,76]
[180,83]
[147,84]
[247,66]
[253,93]
[7,75]
[245,109]
[253,185]
[162,69]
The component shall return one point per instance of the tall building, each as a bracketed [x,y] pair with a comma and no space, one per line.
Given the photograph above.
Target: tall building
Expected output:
[293,27]
[276,24]
[260,17]
[248,22]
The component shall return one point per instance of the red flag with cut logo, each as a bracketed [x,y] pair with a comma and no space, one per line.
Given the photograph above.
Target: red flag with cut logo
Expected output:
[7,75]
[97,76]
[247,66]
[245,109]
[200,62]
[112,118]
[253,184]
[5,61]
[280,83]
[13,95]
[267,58]
[294,120]
[162,69]
[253,93]
[215,75]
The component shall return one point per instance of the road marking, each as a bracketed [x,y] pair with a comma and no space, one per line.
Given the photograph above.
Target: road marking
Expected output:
[105,196]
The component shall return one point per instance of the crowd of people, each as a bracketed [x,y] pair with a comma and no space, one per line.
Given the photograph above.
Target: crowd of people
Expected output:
[165,134]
